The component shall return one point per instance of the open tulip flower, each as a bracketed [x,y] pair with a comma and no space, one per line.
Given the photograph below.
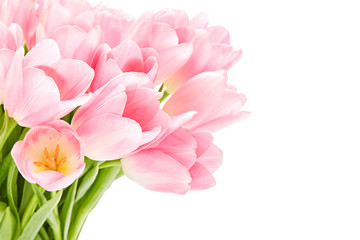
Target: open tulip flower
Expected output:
[51,155]
[89,94]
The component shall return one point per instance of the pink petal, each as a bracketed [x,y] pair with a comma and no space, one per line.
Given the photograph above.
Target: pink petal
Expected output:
[16,155]
[109,136]
[73,77]
[105,68]
[87,48]
[163,36]
[7,40]
[174,123]
[218,34]
[172,59]
[157,171]
[203,90]
[222,57]
[109,99]
[196,63]
[44,53]
[69,39]
[203,140]
[200,21]
[129,57]
[175,18]
[6,57]
[18,34]
[61,183]
[111,28]
[58,16]
[140,31]
[185,34]
[36,87]
[181,146]
[14,82]
[201,178]
[143,106]
[151,68]
[211,159]
[223,121]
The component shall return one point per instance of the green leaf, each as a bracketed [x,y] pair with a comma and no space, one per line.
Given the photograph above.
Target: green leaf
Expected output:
[66,211]
[52,219]
[8,126]
[12,186]
[8,225]
[86,181]
[2,209]
[39,218]
[11,191]
[4,168]
[26,197]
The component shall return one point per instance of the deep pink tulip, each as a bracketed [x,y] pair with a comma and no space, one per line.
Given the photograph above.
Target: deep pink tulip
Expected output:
[181,162]
[217,104]
[115,122]
[50,155]
[42,87]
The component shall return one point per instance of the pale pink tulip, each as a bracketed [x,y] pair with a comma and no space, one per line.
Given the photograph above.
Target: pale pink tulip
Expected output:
[50,155]
[115,122]
[137,45]
[181,162]
[22,12]
[11,38]
[41,87]
[211,45]
[216,103]
[72,25]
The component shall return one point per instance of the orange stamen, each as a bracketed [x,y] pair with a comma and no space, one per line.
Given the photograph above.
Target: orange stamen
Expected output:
[52,163]
[40,164]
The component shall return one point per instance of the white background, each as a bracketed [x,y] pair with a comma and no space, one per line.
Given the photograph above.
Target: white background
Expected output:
[292,170]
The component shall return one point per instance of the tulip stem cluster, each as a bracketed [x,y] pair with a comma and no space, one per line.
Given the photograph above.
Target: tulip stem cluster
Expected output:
[27,211]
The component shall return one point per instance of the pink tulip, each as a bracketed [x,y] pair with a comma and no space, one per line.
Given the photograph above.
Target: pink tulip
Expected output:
[115,122]
[181,162]
[50,155]
[41,87]
[72,25]
[137,45]
[11,38]
[126,57]
[211,45]
[216,103]
[22,12]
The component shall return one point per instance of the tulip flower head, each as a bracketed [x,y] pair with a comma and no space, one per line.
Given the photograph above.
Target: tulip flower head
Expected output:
[50,155]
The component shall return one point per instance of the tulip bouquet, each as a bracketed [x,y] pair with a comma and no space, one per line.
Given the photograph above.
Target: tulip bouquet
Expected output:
[89,93]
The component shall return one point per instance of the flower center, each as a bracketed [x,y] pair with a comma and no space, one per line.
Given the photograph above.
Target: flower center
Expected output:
[52,163]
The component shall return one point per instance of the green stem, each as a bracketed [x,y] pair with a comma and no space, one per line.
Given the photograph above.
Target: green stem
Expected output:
[110,164]
[165,95]
[82,209]
[43,234]
[57,228]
